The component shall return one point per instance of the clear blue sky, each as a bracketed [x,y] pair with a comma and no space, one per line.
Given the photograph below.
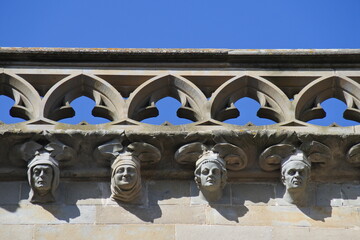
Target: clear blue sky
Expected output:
[252,24]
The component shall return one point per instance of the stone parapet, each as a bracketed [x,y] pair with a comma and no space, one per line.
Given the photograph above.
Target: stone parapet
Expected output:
[204,180]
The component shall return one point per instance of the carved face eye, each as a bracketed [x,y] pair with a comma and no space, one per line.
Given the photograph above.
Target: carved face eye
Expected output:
[121,170]
[36,172]
[216,171]
[291,172]
[205,171]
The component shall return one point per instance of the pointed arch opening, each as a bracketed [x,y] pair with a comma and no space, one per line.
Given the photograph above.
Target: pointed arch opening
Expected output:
[142,102]
[274,104]
[109,104]
[308,103]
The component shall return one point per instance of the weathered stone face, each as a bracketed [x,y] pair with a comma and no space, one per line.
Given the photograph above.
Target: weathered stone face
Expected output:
[210,176]
[295,175]
[42,177]
[125,176]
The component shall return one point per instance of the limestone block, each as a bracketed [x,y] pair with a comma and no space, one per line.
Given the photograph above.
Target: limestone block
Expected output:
[210,232]
[328,195]
[16,232]
[351,194]
[126,214]
[85,193]
[166,214]
[9,192]
[293,233]
[231,215]
[181,214]
[291,216]
[169,192]
[48,214]
[253,194]
[108,232]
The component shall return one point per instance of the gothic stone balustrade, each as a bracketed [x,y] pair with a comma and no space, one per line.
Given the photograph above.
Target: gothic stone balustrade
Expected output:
[119,176]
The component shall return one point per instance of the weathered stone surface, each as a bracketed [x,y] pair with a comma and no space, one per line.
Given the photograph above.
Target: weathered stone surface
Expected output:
[46,214]
[329,195]
[109,232]
[174,214]
[350,194]
[210,232]
[86,193]
[18,232]
[253,194]
[283,216]
[298,233]
[169,192]
[9,192]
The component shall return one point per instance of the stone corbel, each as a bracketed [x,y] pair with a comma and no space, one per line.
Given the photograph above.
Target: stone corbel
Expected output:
[211,164]
[125,164]
[295,164]
[43,167]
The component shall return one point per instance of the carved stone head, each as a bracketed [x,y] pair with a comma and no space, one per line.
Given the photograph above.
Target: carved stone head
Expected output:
[43,166]
[43,176]
[211,164]
[295,165]
[210,172]
[125,178]
[125,166]
[295,171]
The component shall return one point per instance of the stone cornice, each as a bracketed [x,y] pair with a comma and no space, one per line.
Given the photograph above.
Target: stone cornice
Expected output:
[224,58]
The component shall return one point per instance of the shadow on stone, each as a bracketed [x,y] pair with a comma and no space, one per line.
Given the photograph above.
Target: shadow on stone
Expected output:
[62,212]
[9,195]
[231,213]
[168,192]
[146,214]
[10,208]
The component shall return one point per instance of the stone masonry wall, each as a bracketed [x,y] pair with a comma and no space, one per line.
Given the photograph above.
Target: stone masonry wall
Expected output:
[172,210]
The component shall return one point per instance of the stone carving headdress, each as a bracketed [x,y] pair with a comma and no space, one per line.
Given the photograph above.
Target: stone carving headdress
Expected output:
[277,156]
[230,156]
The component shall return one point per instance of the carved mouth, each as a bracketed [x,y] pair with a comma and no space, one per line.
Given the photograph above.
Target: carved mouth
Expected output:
[125,179]
[210,180]
[296,181]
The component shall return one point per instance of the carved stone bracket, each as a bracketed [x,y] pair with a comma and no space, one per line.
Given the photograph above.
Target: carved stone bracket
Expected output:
[43,167]
[211,164]
[125,166]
